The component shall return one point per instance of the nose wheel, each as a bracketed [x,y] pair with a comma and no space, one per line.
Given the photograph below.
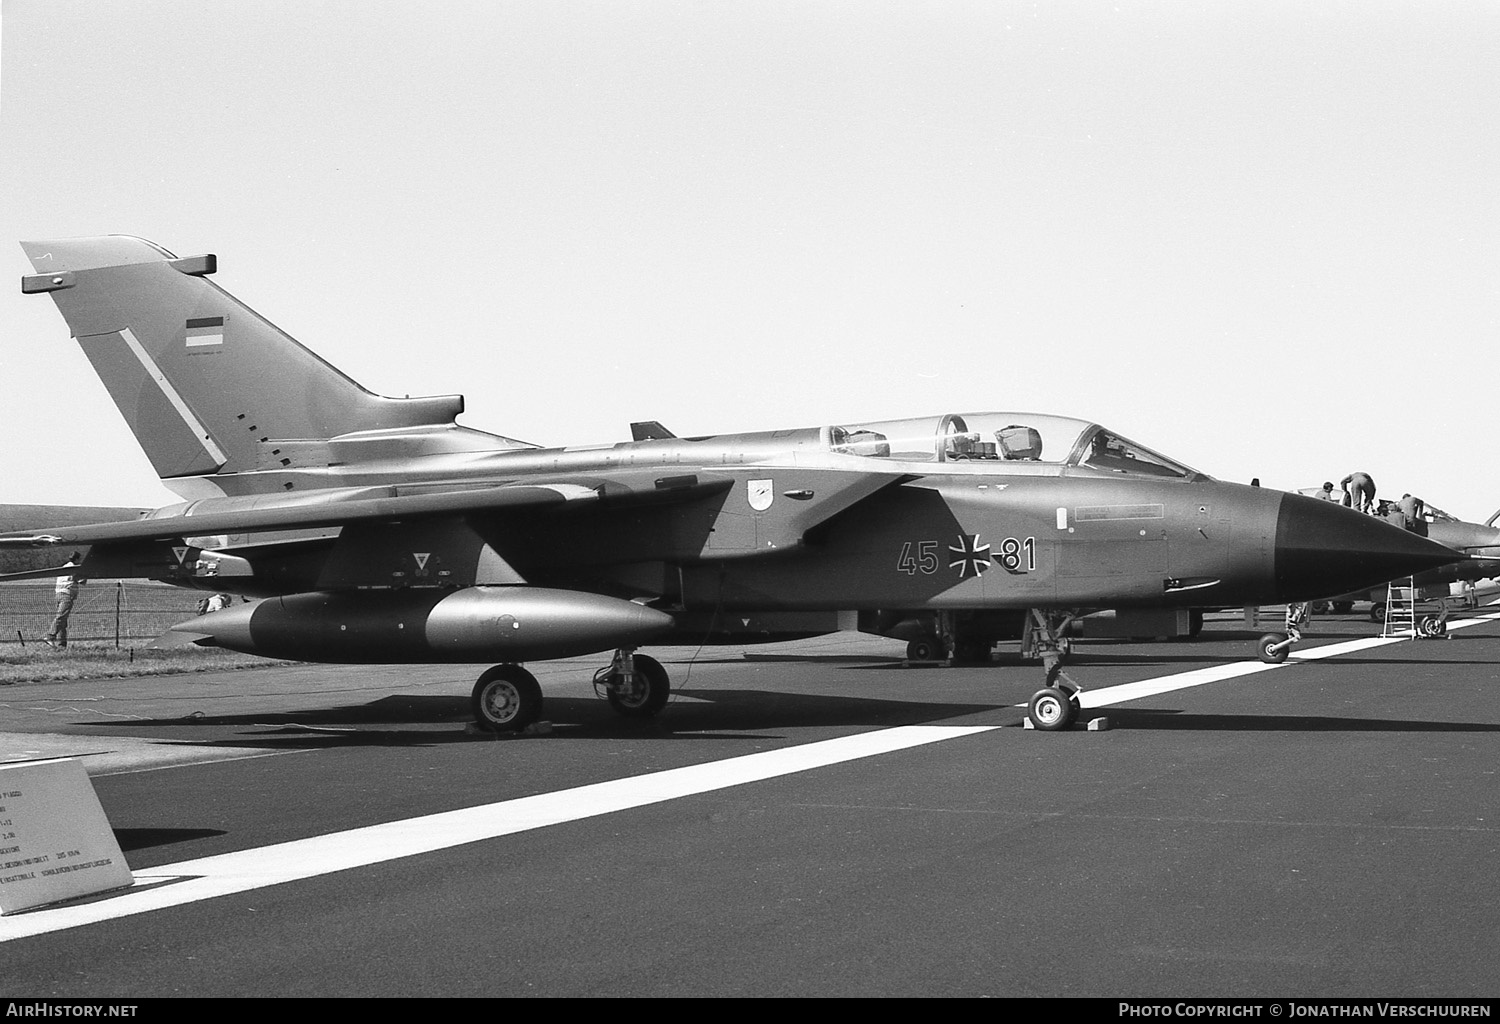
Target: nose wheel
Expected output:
[1273,648]
[1052,709]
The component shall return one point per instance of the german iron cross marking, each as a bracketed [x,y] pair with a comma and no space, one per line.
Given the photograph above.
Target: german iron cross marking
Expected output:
[970,557]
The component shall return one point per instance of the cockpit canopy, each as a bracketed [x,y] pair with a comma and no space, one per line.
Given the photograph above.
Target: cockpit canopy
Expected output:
[1007,437]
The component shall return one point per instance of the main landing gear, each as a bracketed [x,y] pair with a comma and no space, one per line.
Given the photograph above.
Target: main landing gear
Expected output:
[507,698]
[1054,707]
[634,684]
[929,647]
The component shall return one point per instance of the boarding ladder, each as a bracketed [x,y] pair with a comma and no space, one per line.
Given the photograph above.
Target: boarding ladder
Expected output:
[1400,609]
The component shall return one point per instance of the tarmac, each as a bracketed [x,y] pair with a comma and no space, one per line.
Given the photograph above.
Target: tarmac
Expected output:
[804,819]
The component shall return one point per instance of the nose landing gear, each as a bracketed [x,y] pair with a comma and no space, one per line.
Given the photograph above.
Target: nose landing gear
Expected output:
[1273,648]
[1055,707]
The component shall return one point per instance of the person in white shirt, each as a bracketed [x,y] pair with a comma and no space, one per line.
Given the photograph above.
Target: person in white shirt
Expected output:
[66,592]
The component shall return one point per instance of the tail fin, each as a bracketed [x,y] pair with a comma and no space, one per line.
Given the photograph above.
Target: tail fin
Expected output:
[207,385]
[649,430]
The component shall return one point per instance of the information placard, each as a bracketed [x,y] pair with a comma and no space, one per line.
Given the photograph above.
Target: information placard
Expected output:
[55,842]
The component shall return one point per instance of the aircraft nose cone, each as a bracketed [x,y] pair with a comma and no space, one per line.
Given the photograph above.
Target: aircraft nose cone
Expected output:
[1323,549]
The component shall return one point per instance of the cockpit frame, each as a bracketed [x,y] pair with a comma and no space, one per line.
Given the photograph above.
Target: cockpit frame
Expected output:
[1013,439]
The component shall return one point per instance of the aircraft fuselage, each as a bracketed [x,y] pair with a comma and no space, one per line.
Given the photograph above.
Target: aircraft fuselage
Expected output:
[817,531]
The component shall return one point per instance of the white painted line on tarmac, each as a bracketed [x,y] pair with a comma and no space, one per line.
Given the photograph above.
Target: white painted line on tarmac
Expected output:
[1108,695]
[189,881]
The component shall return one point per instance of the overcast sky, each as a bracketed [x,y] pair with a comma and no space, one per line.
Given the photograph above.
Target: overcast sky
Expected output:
[1260,237]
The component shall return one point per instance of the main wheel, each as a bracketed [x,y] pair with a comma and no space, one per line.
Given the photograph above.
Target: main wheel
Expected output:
[1051,710]
[1433,626]
[648,692]
[928,648]
[506,699]
[1270,649]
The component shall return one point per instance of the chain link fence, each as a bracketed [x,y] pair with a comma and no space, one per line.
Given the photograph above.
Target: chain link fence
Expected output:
[125,612]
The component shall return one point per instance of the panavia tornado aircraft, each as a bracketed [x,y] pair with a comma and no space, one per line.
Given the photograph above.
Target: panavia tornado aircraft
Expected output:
[1478,546]
[381,531]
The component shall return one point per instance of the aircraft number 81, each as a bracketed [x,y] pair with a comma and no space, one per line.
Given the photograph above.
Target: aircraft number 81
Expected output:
[1016,555]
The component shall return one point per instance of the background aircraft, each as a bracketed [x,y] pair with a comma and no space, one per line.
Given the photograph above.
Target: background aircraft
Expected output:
[1478,544]
[380,530]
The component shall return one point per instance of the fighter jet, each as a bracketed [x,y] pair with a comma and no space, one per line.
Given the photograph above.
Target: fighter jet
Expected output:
[1477,544]
[379,530]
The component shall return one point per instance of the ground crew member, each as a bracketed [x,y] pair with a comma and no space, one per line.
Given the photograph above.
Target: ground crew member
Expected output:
[1412,508]
[1359,491]
[1327,492]
[66,591]
[1297,615]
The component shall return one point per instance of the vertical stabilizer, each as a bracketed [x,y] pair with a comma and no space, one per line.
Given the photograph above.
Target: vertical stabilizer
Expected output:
[204,381]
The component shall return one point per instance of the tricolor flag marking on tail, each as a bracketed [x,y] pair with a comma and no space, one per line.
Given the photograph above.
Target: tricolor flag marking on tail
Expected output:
[202,331]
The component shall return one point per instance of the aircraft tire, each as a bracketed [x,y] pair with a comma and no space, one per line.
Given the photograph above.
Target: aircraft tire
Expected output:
[1268,652]
[506,698]
[1051,710]
[928,648]
[1433,626]
[650,693]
